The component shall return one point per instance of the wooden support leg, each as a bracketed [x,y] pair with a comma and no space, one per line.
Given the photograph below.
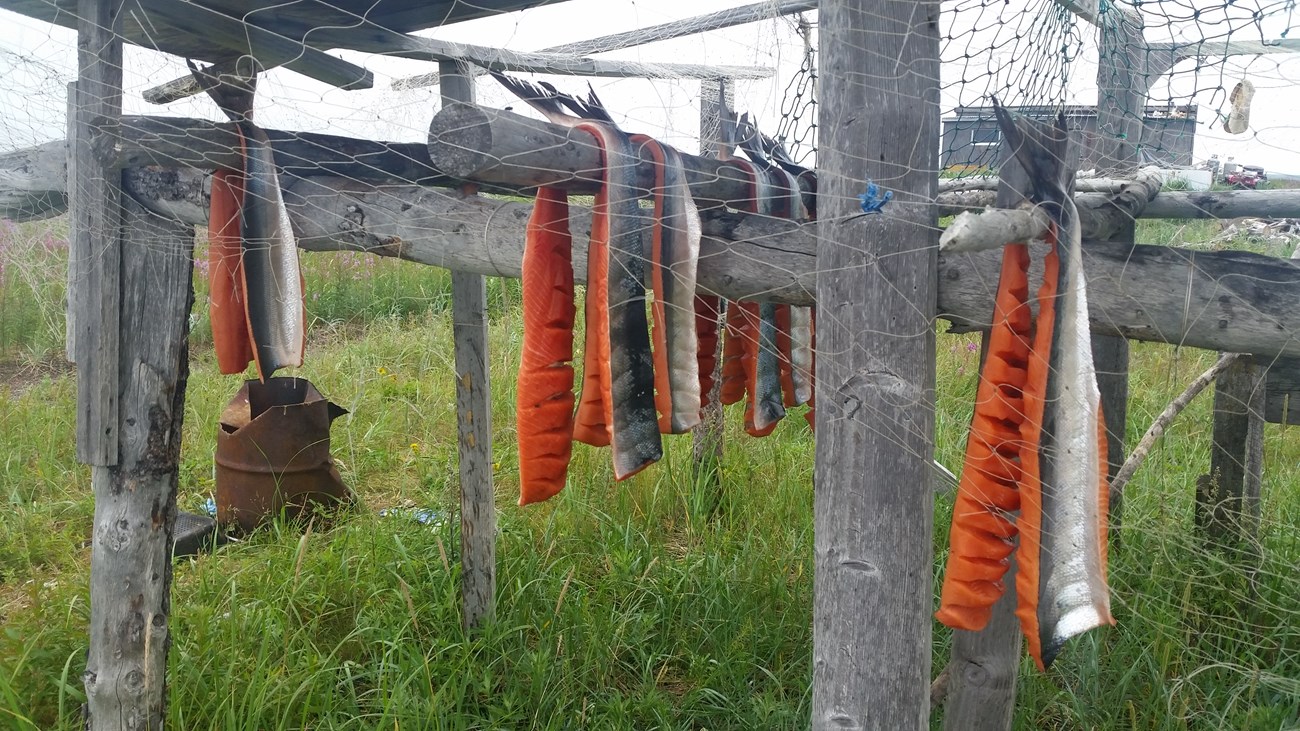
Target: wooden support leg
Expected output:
[478,532]
[135,500]
[982,673]
[1110,356]
[715,108]
[1227,500]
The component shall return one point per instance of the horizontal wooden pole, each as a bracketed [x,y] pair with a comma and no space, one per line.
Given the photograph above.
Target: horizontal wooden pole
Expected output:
[1226,301]
[501,147]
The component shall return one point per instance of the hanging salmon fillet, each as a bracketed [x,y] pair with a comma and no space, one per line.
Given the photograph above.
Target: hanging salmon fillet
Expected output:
[544,399]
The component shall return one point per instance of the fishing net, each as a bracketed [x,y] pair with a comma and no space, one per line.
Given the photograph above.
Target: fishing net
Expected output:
[1207,634]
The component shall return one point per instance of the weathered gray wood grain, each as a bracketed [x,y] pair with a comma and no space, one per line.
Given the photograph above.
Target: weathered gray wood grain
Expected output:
[1230,301]
[984,667]
[478,534]
[873,509]
[1227,504]
[135,500]
[96,232]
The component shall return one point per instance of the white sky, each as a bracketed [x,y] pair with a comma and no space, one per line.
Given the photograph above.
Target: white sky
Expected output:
[38,60]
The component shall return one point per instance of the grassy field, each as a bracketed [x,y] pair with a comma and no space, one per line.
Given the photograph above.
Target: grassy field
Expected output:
[650,604]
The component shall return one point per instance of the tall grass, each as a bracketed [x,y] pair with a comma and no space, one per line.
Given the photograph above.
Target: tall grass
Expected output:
[634,605]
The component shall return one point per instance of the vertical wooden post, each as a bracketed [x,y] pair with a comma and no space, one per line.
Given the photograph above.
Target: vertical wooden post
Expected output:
[478,518]
[96,229]
[1227,504]
[879,120]
[135,500]
[74,277]
[1122,85]
[716,99]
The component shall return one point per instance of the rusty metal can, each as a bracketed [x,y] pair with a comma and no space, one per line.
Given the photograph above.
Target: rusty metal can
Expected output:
[273,454]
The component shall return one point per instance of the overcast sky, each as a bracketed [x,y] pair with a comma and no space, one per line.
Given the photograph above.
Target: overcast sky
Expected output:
[996,46]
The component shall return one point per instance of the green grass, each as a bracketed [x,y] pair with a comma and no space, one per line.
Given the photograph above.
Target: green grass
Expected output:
[622,606]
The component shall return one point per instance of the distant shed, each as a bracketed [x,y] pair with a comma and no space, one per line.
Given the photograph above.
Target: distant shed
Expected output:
[971,138]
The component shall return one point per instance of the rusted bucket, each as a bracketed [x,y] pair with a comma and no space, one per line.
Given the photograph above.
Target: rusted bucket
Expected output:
[273,453]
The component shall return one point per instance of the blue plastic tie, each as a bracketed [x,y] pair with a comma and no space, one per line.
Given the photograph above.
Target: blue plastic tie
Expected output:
[873,201]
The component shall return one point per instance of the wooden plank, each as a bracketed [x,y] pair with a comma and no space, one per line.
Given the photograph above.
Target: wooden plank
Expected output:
[478,533]
[135,501]
[873,509]
[1227,499]
[96,231]
[388,43]
[728,18]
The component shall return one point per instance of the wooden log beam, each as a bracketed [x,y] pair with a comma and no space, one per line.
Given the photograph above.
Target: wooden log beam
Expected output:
[373,39]
[33,182]
[1219,300]
[500,147]
[655,33]
[1100,217]
[873,509]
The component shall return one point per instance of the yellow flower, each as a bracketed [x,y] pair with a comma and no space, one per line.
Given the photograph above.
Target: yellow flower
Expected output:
[383,371]
[496,466]
[415,447]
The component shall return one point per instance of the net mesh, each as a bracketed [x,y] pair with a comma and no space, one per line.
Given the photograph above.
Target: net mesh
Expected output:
[1207,634]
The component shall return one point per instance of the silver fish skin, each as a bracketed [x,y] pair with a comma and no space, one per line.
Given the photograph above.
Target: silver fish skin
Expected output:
[1073,597]
[681,254]
[769,402]
[801,353]
[635,430]
[272,278]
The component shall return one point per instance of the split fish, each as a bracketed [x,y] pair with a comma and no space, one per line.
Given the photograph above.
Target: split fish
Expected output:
[268,273]
[1061,581]
[618,382]
[675,253]
[544,401]
[1037,443]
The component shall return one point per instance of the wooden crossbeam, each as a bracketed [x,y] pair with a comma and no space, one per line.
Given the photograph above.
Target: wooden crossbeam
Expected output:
[655,33]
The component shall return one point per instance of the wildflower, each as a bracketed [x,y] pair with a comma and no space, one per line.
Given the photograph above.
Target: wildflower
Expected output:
[415,447]
[971,347]
[383,371]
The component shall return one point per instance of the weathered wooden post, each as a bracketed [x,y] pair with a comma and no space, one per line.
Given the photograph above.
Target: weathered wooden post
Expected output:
[1227,499]
[876,289]
[716,100]
[478,518]
[1122,86]
[130,307]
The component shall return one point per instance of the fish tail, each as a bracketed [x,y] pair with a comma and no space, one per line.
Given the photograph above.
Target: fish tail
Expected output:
[544,414]
[987,494]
